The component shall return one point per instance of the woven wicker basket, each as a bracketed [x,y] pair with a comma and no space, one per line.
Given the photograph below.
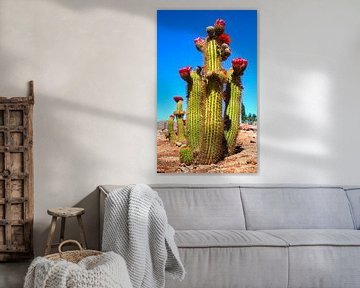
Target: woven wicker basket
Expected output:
[72,256]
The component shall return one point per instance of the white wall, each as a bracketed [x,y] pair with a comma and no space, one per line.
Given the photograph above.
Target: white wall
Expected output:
[93,63]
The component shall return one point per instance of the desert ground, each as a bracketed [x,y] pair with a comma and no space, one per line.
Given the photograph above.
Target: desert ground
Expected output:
[244,161]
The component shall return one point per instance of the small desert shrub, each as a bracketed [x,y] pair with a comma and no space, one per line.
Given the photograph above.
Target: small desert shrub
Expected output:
[186,156]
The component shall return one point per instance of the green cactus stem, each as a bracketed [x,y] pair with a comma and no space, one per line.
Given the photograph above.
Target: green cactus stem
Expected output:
[212,57]
[170,128]
[179,113]
[233,94]
[179,105]
[193,116]
[212,134]
[180,127]
[186,156]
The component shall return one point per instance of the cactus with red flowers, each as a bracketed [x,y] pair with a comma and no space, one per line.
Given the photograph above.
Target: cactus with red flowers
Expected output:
[210,134]
[212,138]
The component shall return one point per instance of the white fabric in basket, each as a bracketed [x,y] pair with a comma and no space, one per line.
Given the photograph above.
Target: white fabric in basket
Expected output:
[105,270]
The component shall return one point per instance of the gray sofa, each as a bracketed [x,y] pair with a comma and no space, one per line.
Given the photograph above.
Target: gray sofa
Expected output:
[256,236]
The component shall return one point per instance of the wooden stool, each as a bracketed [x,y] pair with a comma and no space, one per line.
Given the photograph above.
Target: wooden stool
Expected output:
[64,213]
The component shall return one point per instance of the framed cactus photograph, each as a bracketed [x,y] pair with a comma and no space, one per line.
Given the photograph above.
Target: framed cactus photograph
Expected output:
[207,91]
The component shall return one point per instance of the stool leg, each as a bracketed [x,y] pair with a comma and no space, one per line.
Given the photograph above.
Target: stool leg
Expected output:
[82,232]
[62,231]
[51,235]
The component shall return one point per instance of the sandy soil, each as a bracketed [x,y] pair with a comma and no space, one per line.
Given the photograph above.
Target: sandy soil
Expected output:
[244,161]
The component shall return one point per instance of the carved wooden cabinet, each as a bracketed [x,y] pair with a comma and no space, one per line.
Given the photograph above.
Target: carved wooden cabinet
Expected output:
[16,177]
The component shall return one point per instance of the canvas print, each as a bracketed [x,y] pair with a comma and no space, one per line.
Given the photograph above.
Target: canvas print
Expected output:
[207,91]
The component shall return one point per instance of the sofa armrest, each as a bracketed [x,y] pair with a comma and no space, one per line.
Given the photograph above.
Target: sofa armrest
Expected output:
[103,195]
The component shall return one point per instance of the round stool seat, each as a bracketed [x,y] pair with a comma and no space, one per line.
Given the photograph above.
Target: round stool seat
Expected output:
[66,211]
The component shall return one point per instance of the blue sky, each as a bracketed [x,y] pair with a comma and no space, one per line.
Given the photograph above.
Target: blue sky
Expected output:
[176,31]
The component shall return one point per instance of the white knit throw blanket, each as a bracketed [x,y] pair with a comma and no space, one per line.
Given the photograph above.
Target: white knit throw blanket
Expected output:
[103,271]
[136,227]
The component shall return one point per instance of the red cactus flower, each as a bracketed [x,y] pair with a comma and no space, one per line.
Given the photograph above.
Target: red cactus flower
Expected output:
[239,64]
[198,40]
[178,98]
[224,38]
[185,72]
[172,116]
[184,121]
[199,43]
[220,23]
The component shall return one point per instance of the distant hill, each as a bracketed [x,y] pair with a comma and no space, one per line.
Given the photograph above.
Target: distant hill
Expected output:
[161,125]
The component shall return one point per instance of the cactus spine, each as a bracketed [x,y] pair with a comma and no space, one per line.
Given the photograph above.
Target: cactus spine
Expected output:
[232,110]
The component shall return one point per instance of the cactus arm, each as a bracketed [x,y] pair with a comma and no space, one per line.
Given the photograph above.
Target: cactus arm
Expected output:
[180,127]
[193,124]
[179,106]
[171,131]
[212,57]
[179,113]
[233,96]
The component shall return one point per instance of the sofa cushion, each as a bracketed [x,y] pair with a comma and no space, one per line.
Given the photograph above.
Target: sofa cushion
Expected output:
[223,267]
[324,266]
[226,238]
[322,258]
[192,208]
[317,237]
[296,208]
[354,198]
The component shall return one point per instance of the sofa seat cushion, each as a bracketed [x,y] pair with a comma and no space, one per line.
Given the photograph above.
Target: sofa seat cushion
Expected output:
[317,237]
[322,258]
[225,238]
